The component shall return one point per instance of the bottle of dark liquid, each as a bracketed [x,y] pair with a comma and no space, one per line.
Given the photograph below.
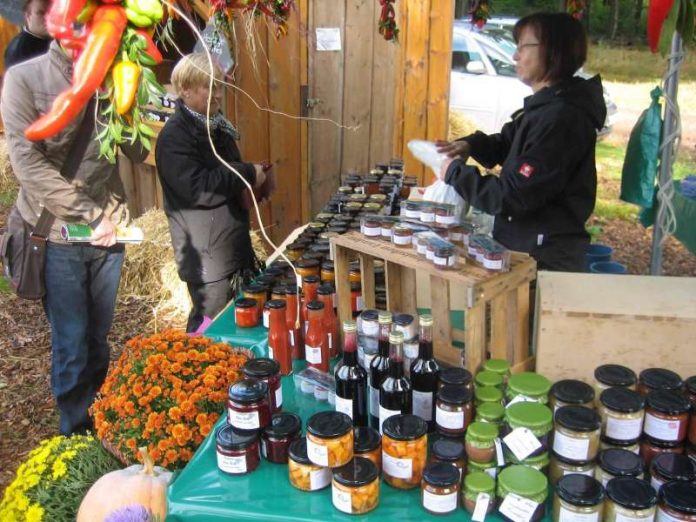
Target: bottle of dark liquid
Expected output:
[351,379]
[425,373]
[379,365]
[395,395]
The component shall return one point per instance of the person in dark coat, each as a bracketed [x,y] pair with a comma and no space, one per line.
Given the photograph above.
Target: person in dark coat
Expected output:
[203,197]
[33,39]
[547,186]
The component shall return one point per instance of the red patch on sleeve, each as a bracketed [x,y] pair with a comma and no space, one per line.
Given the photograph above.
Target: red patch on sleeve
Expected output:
[526,170]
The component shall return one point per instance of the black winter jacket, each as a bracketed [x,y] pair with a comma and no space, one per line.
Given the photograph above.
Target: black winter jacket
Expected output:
[547,187]
[210,229]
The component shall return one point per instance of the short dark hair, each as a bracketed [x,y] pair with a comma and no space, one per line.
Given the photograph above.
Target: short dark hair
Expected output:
[563,42]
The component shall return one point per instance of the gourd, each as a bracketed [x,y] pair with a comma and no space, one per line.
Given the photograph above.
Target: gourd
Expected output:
[144,485]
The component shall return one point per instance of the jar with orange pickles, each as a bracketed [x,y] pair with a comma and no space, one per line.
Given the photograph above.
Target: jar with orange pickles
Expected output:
[355,487]
[404,450]
[330,438]
[302,472]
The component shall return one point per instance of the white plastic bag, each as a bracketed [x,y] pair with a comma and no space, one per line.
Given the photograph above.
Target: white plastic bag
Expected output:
[441,192]
[426,152]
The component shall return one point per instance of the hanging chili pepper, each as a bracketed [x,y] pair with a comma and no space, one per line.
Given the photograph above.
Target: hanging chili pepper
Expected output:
[658,10]
[126,76]
[150,47]
[387,21]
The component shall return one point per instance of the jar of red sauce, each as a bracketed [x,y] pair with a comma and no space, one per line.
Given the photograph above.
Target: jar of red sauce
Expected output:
[293,323]
[237,451]
[677,501]
[258,292]
[276,438]
[310,285]
[268,371]
[666,416]
[307,267]
[247,405]
[316,349]
[246,313]
[278,338]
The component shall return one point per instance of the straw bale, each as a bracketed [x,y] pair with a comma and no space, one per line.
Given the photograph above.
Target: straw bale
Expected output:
[459,125]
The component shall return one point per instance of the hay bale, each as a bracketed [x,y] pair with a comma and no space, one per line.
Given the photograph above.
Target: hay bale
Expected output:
[459,125]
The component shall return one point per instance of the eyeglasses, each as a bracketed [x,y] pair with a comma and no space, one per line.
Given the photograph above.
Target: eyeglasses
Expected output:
[521,47]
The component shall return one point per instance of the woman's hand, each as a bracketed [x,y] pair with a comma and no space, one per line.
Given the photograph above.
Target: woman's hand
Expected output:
[454,149]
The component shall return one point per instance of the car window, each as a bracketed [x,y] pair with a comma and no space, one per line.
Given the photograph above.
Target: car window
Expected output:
[501,63]
[463,53]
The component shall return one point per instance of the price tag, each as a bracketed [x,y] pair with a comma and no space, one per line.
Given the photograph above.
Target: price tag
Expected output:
[481,509]
[499,455]
[518,509]
[522,443]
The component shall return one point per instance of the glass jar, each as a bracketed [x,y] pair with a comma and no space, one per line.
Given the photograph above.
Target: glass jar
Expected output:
[652,379]
[529,385]
[616,462]
[629,499]
[328,274]
[677,502]
[480,441]
[404,450]
[440,488]
[386,229]
[302,472]
[578,497]
[307,267]
[535,417]
[613,376]
[402,236]
[525,482]
[499,366]
[629,445]
[490,412]
[456,376]
[370,226]
[570,392]
[406,324]
[444,214]
[668,467]
[247,405]
[666,416]
[479,489]
[651,448]
[355,487]
[367,443]
[488,394]
[489,468]
[427,213]
[487,378]
[560,467]
[354,273]
[576,434]
[268,371]
[246,313]
[622,413]
[538,462]
[450,451]
[256,292]
[411,210]
[276,438]
[237,452]
[454,409]
[330,438]
[421,242]
[294,251]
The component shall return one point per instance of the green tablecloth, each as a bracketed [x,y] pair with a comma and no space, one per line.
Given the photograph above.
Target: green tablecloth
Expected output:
[225,329]
[685,213]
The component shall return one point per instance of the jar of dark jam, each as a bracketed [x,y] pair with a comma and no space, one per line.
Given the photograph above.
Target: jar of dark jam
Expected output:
[629,500]
[440,488]
[570,392]
[666,416]
[456,376]
[668,467]
[268,371]
[677,502]
[650,448]
[652,379]
[613,376]
[247,405]
[454,409]
[367,443]
[449,451]
[278,435]
[237,451]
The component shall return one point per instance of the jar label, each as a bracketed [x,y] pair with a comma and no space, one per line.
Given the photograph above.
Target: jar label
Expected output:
[317,453]
[565,515]
[440,261]
[279,396]
[666,517]
[370,328]
[453,420]
[344,406]
[623,429]
[384,414]
[386,232]
[359,304]
[481,509]
[329,337]
[422,249]
[423,405]
[522,442]
[427,217]
[429,254]
[244,420]
[342,500]
[411,350]
[397,468]
[499,454]
[401,240]
[313,354]
[291,333]
[456,236]
[270,352]
[661,429]
[319,478]
[624,518]
[229,464]
[374,401]
[439,503]
[444,220]
[492,264]
[573,448]
[517,509]
[492,472]
[372,231]
[266,318]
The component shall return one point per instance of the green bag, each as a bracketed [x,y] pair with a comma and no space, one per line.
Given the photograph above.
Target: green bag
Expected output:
[640,165]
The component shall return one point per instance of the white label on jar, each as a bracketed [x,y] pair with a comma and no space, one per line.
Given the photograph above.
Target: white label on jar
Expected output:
[440,261]
[427,217]
[344,406]
[317,453]
[564,515]
[411,350]
[342,500]
[665,517]
[401,240]
[291,333]
[329,337]
[384,414]
[397,468]
[386,232]
[472,251]
[623,429]
[587,473]
[279,396]
[313,354]
[429,254]
[319,478]
[422,249]
[661,429]
[573,448]
[481,508]
[444,220]
[439,503]
[492,264]
[656,483]
[624,518]
[517,509]
[372,231]
[244,420]
[500,456]
[264,449]
[370,328]
[456,236]
[359,304]
[229,464]
[266,318]
[522,442]
[423,405]
[374,401]
[453,420]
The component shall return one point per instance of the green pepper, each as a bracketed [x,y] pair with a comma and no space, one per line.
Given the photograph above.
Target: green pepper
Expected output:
[144,13]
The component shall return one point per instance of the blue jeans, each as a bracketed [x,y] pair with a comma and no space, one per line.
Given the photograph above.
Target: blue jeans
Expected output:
[81,286]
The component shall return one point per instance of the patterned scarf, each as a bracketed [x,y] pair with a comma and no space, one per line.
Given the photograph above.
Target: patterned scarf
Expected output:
[217,122]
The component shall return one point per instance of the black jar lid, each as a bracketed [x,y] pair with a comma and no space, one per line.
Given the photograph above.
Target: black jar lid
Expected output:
[315,305]
[661,379]
[622,399]
[326,289]
[254,288]
[631,493]
[248,390]
[404,427]
[578,418]
[307,263]
[291,289]
[441,474]
[329,424]
[327,265]
[615,375]
[448,450]
[281,264]
[572,391]
[276,304]
[369,315]
[311,279]
[680,496]
[668,402]
[620,462]
[455,376]
[691,384]
[664,444]
[278,289]
[230,438]
[245,302]
[403,319]
[283,425]
[339,229]
[454,394]
[297,451]
[261,368]
[673,466]
[276,271]
[365,439]
[580,490]
[358,472]
[265,281]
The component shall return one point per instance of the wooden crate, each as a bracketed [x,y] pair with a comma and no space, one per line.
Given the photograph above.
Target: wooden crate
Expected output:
[501,299]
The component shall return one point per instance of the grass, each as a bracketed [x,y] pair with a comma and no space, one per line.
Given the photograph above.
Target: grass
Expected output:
[634,64]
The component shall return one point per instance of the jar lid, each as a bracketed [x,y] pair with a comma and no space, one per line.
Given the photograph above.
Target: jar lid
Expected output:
[529,383]
[275,304]
[339,229]
[365,439]
[307,263]
[441,474]
[311,279]
[501,366]
[455,376]
[673,466]
[358,472]
[490,411]
[488,394]
[444,250]
[481,432]
[454,394]
[369,315]
[631,492]
[578,418]
[326,289]
[660,379]
[384,317]
[283,425]
[245,302]
[479,482]
[691,384]
[297,451]
[580,490]
[315,305]
[247,390]
[680,496]
[620,462]
[404,427]
[572,391]
[265,281]
[615,375]
[261,367]
[254,288]
[329,424]
[523,480]
[291,289]
[488,378]
[425,320]
[403,319]
[448,450]
[622,399]
[669,402]
[529,414]
[229,438]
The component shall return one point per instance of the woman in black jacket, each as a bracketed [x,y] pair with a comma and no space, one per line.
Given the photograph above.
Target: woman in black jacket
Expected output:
[202,197]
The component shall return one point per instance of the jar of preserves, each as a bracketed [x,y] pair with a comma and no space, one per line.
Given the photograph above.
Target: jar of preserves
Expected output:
[440,488]
[528,385]
[237,451]
[421,241]
[480,441]
[488,378]
[302,472]
[267,370]
[454,410]
[355,487]
[316,227]
[479,490]
[488,394]
[372,208]
[370,226]
[489,468]
[668,467]
[456,376]
[367,443]
[330,438]
[652,379]
[630,445]
[380,199]
[328,275]
[560,467]
[499,366]
[402,235]
[411,209]
[386,229]
[450,451]
[616,462]
[677,502]
[613,376]
[538,462]
[578,497]
[651,448]
[294,251]
[622,413]
[536,417]
[570,392]
[629,499]
[576,434]
[427,213]
[666,416]
[521,481]
[444,214]
[276,438]
[404,450]
[490,412]
[257,292]
[307,267]
[247,405]
[406,324]
[246,313]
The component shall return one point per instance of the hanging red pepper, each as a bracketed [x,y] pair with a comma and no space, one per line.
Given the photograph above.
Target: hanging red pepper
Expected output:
[61,16]
[658,10]
[387,21]
[150,47]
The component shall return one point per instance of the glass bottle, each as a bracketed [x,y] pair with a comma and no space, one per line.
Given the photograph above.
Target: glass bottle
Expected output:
[292,321]
[316,351]
[395,396]
[379,366]
[310,285]
[278,341]
[424,374]
[351,379]
[329,320]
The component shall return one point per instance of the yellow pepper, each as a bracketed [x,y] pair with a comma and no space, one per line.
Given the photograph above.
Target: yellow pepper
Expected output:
[126,76]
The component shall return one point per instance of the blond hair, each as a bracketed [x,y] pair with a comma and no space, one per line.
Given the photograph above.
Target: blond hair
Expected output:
[192,71]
